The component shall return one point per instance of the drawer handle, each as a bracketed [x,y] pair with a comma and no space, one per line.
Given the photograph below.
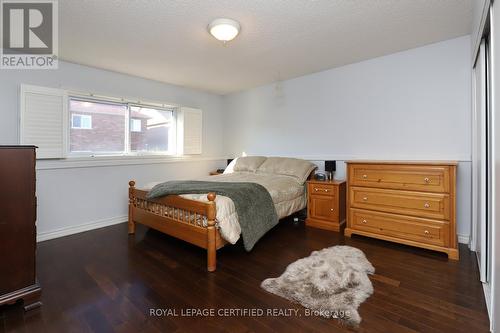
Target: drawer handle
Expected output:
[426,205]
[364,221]
[326,190]
[426,232]
[365,198]
[427,180]
[316,189]
[365,176]
[331,209]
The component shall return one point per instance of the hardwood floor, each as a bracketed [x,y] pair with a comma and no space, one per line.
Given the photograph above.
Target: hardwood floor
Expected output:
[105,281]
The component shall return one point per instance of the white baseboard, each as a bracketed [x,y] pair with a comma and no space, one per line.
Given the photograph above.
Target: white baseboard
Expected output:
[463,239]
[43,236]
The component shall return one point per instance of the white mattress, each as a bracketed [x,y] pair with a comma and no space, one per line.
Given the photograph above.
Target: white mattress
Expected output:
[287,194]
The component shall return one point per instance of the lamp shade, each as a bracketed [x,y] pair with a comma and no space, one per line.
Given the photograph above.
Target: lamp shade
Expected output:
[330,166]
[224,29]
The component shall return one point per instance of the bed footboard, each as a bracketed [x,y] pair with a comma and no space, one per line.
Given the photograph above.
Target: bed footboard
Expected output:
[190,220]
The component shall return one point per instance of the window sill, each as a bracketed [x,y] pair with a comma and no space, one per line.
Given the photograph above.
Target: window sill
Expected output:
[104,161]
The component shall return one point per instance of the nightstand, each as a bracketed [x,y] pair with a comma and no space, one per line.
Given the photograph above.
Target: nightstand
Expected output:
[326,204]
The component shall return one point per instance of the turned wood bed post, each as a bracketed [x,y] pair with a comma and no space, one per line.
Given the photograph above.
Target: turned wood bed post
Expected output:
[211,234]
[131,223]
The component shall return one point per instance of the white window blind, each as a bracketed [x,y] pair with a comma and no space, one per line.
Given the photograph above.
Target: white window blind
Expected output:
[189,131]
[43,117]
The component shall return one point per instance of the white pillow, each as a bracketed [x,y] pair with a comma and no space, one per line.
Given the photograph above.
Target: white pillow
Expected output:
[293,167]
[245,164]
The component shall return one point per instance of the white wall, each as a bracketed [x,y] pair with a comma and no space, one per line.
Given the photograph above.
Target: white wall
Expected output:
[410,105]
[414,104]
[79,198]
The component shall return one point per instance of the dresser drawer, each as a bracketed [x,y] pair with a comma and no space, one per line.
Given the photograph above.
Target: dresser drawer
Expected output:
[429,205]
[427,178]
[321,189]
[403,227]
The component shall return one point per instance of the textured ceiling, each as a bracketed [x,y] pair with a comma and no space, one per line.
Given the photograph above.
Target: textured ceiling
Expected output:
[280,39]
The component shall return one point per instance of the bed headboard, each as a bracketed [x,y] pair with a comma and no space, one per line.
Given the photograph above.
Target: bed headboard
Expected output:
[299,169]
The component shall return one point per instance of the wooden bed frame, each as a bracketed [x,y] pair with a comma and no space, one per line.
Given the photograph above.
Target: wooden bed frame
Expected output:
[190,220]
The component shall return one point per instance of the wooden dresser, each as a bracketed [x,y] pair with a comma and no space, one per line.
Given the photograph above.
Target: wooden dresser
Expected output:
[326,204]
[411,203]
[17,226]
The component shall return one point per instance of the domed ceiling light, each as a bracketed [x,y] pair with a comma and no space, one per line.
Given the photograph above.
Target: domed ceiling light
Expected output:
[224,29]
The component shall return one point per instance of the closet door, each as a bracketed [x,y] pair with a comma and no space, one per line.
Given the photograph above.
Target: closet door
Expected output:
[481,172]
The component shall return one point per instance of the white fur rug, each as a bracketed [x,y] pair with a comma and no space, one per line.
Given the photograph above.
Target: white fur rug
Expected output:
[332,283]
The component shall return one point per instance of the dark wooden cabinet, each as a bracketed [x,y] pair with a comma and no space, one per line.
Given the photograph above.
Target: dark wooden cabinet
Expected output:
[17,226]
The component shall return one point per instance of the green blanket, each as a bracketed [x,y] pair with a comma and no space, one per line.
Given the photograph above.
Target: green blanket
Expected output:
[253,203]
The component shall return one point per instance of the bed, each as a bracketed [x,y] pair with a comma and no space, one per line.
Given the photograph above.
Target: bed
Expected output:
[210,221]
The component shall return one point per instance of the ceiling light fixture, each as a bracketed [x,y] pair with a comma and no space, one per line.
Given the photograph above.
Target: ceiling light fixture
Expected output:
[224,29]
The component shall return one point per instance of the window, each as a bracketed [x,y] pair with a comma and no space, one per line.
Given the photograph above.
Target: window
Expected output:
[63,124]
[100,127]
[158,126]
[136,125]
[106,133]
[81,121]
